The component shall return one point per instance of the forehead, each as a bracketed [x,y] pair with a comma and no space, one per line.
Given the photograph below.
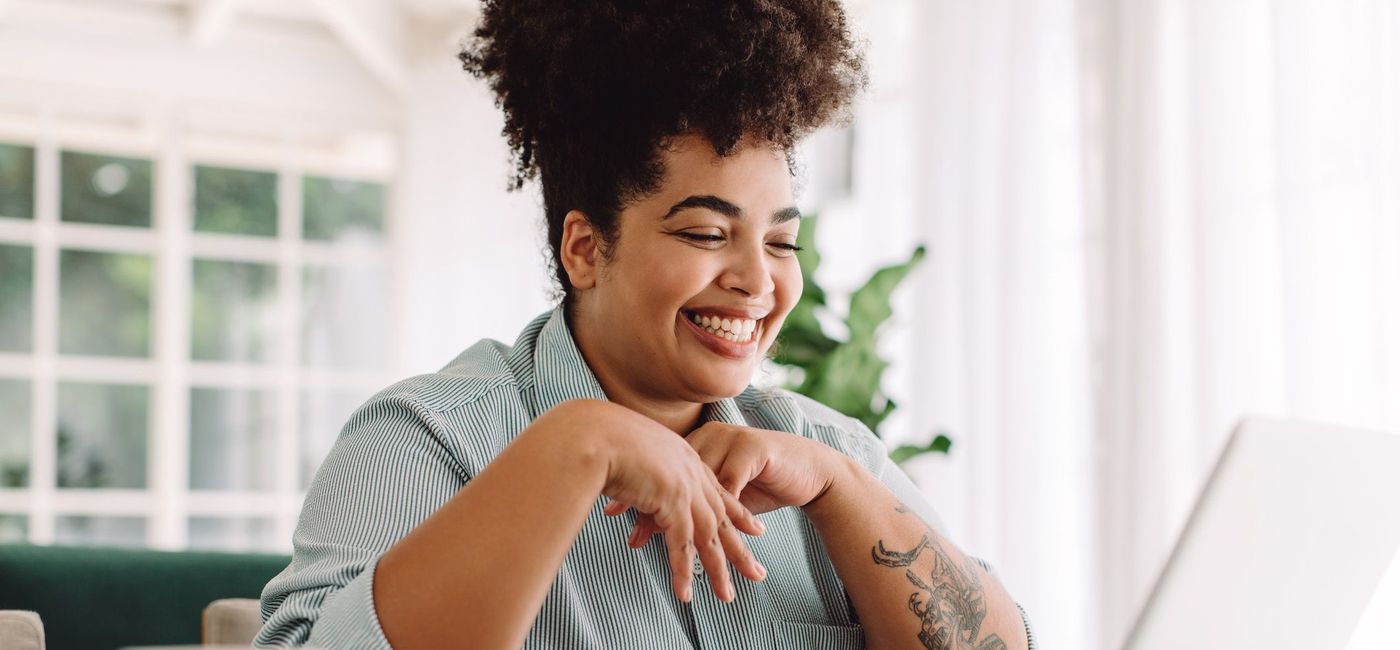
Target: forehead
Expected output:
[754,177]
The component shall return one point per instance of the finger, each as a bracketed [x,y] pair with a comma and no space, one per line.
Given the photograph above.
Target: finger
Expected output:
[735,549]
[741,465]
[710,452]
[614,508]
[679,533]
[711,550]
[743,518]
[642,531]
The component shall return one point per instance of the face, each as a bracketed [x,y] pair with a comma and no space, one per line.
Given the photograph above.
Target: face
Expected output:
[699,279]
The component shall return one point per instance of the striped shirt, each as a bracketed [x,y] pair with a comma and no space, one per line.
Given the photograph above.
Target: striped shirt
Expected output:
[413,446]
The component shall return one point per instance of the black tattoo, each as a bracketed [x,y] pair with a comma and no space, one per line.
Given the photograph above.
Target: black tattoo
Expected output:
[951,605]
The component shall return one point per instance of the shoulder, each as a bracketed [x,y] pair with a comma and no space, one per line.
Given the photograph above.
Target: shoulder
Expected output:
[476,374]
[783,410]
[467,411]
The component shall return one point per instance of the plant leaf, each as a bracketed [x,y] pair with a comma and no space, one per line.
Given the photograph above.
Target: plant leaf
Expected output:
[809,259]
[849,381]
[870,304]
[939,445]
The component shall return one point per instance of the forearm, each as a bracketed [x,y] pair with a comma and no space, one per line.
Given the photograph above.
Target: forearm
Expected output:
[911,587]
[476,572]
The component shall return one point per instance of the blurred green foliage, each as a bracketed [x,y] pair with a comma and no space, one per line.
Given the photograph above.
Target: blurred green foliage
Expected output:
[14,432]
[102,439]
[14,529]
[333,207]
[16,298]
[105,189]
[235,201]
[16,181]
[104,304]
[845,375]
[232,311]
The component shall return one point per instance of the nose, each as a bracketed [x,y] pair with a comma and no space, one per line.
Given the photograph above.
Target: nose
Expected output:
[747,271]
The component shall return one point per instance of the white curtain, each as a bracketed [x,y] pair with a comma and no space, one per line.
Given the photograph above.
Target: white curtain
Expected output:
[1146,219]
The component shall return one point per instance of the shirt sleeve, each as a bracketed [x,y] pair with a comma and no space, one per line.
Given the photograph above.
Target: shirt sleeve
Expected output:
[386,473]
[893,477]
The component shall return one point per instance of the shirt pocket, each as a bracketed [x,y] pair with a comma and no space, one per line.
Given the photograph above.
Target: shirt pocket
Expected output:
[802,636]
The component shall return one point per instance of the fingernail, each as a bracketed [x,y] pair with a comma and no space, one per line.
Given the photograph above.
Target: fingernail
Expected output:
[729,593]
[762,572]
[761,528]
[686,595]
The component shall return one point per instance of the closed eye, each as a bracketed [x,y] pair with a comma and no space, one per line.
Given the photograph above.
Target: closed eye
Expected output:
[694,236]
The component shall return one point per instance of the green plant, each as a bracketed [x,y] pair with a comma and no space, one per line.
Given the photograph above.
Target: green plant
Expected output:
[845,375]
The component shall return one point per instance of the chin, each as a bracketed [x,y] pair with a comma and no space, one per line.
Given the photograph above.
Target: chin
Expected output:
[716,388]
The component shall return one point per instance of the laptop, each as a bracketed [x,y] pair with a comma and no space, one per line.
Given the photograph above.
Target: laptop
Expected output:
[1290,536]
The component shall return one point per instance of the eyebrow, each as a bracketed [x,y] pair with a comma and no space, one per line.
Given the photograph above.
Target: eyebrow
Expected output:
[728,209]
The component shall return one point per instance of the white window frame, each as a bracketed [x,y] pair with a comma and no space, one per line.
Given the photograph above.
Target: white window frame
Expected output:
[167,504]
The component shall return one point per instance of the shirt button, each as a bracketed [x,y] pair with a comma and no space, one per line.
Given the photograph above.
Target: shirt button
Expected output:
[696,568]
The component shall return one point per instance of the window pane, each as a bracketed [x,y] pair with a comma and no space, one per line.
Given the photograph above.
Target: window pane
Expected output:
[338,209]
[102,435]
[344,322]
[234,316]
[237,201]
[238,535]
[323,414]
[105,189]
[16,181]
[16,298]
[100,531]
[232,438]
[14,529]
[14,433]
[104,304]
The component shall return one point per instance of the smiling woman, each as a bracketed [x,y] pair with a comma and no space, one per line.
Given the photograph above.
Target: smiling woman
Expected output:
[466,507]
[700,247]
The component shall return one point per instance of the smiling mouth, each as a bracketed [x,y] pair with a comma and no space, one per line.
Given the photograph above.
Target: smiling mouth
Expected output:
[736,331]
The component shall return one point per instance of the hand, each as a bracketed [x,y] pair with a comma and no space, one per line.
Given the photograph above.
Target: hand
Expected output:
[765,470]
[653,470]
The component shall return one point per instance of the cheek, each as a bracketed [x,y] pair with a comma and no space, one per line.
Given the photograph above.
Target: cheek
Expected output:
[787,285]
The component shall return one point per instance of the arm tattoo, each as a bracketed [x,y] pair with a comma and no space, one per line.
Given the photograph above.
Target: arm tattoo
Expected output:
[951,604]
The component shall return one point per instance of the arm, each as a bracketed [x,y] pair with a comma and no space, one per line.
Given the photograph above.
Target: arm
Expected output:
[497,544]
[392,546]
[910,586]
[389,540]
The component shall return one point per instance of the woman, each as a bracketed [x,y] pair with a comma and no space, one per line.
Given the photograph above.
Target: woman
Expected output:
[465,509]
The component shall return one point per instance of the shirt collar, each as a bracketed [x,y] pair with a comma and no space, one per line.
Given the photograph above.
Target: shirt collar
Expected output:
[725,410]
[561,374]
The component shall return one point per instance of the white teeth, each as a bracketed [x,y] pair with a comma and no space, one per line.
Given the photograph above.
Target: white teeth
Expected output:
[732,329]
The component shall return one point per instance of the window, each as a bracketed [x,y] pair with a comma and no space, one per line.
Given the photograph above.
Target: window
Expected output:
[183,330]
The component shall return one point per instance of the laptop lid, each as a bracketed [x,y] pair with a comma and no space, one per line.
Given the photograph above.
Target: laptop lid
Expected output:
[1293,530]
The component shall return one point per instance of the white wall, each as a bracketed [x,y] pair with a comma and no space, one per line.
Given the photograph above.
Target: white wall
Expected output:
[468,251]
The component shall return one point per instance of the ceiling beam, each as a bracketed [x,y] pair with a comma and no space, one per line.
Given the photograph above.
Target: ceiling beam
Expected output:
[210,19]
[374,32]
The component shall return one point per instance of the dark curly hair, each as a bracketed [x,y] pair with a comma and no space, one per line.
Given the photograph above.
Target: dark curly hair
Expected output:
[593,89]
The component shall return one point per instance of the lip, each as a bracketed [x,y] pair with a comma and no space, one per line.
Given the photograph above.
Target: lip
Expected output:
[723,347]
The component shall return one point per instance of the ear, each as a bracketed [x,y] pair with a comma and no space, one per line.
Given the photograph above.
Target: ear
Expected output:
[578,250]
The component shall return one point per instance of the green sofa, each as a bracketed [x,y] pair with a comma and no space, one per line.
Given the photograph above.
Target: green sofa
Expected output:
[104,598]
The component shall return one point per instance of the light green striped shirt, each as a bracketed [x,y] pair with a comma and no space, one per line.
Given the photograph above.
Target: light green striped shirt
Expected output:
[410,448]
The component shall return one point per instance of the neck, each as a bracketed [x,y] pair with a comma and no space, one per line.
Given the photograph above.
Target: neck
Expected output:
[679,416]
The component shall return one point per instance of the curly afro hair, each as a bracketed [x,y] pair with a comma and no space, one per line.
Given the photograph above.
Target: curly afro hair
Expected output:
[592,90]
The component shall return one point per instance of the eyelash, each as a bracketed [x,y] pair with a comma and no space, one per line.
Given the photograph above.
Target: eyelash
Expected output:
[716,238]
